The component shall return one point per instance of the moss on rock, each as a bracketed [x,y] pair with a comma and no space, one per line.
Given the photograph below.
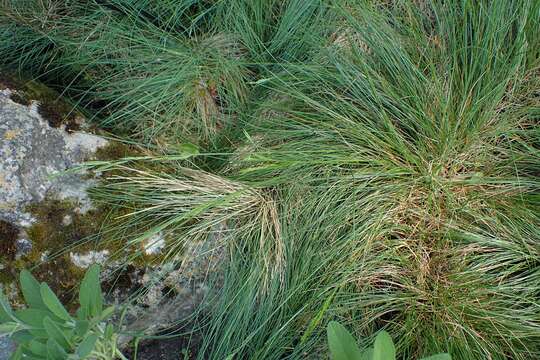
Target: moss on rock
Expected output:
[115,150]
[59,227]
[52,107]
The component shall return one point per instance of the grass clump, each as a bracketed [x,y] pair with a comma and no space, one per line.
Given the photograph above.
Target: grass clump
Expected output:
[371,162]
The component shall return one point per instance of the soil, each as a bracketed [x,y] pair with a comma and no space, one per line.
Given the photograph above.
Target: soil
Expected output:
[183,346]
[176,348]
[8,238]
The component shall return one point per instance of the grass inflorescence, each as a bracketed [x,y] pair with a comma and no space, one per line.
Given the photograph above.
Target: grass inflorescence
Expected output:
[372,162]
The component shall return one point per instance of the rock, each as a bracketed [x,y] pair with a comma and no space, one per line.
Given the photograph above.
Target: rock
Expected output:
[24,246]
[173,290]
[33,157]
[67,220]
[89,258]
[154,244]
[6,348]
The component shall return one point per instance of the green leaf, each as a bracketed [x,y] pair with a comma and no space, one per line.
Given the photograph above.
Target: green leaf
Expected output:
[52,302]
[31,290]
[9,328]
[55,351]
[38,333]
[54,332]
[34,317]
[22,336]
[383,348]
[82,314]
[37,347]
[81,327]
[367,354]
[5,310]
[86,346]
[90,296]
[438,357]
[27,355]
[341,343]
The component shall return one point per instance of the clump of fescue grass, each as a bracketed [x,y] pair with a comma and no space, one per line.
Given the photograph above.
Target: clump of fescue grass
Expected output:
[417,134]
[380,163]
[155,84]
[165,72]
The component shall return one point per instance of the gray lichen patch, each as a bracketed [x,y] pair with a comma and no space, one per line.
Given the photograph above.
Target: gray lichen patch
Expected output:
[84,260]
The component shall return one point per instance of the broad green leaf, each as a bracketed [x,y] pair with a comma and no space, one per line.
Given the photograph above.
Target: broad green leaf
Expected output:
[438,357]
[86,346]
[90,296]
[9,328]
[27,355]
[383,348]
[5,309]
[22,336]
[367,354]
[81,327]
[54,332]
[52,302]
[82,313]
[38,333]
[55,351]
[34,317]
[37,347]
[31,290]
[342,345]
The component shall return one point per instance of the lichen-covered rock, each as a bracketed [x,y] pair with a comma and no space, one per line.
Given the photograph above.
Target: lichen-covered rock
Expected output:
[34,157]
[178,286]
